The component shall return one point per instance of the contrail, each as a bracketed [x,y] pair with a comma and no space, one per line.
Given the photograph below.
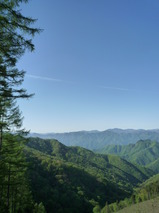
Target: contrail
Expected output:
[44,78]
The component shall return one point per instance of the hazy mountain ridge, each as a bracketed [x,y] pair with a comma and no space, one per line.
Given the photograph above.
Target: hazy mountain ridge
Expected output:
[98,139]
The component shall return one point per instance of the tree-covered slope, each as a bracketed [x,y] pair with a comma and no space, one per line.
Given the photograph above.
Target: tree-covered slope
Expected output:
[144,198]
[154,165]
[151,185]
[144,152]
[96,140]
[60,174]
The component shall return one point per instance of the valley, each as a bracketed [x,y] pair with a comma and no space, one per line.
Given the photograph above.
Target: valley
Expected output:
[63,173]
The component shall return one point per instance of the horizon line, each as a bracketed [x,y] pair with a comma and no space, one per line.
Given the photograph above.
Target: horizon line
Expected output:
[123,129]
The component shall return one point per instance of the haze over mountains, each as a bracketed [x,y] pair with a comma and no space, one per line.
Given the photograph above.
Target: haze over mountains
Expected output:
[94,140]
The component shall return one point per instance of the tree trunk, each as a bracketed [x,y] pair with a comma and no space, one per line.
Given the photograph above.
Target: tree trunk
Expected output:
[8,191]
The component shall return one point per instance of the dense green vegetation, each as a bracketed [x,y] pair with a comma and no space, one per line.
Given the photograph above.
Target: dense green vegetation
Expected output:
[95,140]
[149,190]
[14,191]
[63,174]
[58,174]
[144,152]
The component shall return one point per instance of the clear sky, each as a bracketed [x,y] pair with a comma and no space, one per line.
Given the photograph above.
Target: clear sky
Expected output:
[95,65]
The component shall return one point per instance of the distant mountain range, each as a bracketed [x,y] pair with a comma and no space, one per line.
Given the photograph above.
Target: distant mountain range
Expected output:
[95,140]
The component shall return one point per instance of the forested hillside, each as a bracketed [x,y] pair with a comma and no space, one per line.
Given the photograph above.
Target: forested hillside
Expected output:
[144,199]
[144,152]
[63,174]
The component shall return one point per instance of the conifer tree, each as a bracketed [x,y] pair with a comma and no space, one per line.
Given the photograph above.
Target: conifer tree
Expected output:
[13,25]
[14,193]
[14,190]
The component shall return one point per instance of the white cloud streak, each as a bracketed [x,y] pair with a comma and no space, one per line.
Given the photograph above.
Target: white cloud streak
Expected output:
[44,78]
[60,81]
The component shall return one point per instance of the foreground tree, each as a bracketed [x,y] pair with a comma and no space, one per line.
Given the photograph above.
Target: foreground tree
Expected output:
[13,25]
[14,192]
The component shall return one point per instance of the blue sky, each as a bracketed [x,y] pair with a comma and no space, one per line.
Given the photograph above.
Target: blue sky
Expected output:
[95,65]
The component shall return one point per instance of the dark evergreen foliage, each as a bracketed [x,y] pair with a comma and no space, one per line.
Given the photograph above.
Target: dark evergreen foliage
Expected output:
[13,44]
[14,192]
